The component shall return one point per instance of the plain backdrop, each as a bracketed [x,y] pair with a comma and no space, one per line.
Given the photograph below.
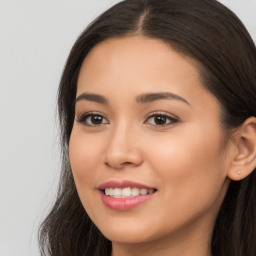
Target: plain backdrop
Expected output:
[35,39]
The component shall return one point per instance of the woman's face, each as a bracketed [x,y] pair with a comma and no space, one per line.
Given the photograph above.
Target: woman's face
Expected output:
[144,124]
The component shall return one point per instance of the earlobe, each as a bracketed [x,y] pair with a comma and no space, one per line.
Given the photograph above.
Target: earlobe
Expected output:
[244,160]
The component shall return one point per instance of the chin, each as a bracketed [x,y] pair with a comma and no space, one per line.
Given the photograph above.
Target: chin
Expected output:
[127,237]
[125,232]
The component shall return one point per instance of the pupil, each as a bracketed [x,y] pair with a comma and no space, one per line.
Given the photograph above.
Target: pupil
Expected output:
[160,120]
[96,119]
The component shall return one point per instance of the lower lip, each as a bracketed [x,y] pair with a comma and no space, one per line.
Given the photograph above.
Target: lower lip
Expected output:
[124,204]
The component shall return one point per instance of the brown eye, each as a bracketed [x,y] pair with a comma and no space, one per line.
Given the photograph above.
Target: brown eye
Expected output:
[93,120]
[161,120]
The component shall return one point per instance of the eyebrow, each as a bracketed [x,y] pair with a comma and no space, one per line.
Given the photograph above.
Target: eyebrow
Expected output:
[150,97]
[92,97]
[143,99]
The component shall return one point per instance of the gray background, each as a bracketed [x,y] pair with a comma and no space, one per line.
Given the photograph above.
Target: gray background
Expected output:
[35,39]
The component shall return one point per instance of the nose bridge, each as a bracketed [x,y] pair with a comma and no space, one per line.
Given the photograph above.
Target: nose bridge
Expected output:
[122,148]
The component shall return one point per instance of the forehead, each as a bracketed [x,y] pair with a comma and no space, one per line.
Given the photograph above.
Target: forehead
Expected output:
[136,58]
[133,49]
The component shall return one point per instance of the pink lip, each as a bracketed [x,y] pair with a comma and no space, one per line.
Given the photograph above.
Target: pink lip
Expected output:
[123,204]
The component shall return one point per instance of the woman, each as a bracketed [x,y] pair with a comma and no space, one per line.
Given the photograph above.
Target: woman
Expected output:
[157,106]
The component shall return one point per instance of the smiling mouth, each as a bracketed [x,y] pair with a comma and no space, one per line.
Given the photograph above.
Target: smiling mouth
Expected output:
[127,192]
[125,195]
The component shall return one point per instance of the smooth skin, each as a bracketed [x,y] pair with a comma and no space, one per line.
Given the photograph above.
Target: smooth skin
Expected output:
[175,144]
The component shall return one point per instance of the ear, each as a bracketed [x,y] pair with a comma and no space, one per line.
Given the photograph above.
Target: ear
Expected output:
[244,160]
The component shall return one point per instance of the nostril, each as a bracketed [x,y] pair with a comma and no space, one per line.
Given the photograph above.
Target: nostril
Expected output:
[113,165]
[117,165]
[126,163]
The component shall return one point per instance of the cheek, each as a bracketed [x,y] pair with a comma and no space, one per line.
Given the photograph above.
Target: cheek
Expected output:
[85,155]
[183,151]
[191,167]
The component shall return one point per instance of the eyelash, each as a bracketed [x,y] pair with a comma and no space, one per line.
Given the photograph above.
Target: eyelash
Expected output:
[84,117]
[172,120]
[163,116]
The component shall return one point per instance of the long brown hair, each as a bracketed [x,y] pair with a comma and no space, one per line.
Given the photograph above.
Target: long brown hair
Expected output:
[206,31]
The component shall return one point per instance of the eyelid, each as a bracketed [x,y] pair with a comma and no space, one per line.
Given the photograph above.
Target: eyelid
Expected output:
[174,119]
[84,116]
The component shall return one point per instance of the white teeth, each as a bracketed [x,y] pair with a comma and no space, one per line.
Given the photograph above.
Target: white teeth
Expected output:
[107,191]
[127,192]
[135,191]
[117,192]
[111,192]
[143,191]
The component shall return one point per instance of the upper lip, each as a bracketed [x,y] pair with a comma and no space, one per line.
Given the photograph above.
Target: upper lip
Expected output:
[122,184]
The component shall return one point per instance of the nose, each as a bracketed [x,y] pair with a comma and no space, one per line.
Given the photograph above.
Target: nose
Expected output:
[123,149]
